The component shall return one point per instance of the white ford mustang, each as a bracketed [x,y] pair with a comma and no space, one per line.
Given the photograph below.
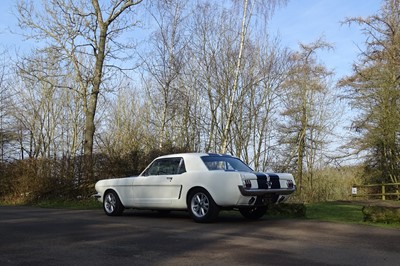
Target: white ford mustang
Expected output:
[201,183]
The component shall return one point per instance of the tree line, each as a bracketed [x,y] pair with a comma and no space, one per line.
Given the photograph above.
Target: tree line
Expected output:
[109,85]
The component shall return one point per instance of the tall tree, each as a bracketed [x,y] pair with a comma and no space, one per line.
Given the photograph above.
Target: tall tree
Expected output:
[265,69]
[84,35]
[248,8]
[164,67]
[6,135]
[206,68]
[304,127]
[127,127]
[226,71]
[50,119]
[374,90]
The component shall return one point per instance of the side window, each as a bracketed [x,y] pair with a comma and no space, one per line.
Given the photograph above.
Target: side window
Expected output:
[166,166]
[154,168]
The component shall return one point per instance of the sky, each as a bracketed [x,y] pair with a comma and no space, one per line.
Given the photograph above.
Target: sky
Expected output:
[304,21]
[300,21]
[8,22]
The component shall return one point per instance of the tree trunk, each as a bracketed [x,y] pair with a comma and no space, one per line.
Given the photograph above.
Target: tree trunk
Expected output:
[229,120]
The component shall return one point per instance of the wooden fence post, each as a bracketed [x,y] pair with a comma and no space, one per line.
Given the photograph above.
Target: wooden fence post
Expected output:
[383,191]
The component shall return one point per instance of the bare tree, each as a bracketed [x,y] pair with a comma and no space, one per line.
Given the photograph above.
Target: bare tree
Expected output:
[50,118]
[255,125]
[84,35]
[127,126]
[233,76]
[164,67]
[305,118]
[6,134]
[205,48]
[264,7]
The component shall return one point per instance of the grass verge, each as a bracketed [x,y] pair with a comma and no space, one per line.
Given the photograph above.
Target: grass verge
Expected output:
[335,212]
[341,212]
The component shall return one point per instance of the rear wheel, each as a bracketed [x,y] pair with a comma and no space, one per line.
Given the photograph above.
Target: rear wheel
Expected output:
[253,213]
[202,207]
[111,204]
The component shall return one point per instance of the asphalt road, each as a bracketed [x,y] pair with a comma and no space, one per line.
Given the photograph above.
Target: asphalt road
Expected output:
[34,236]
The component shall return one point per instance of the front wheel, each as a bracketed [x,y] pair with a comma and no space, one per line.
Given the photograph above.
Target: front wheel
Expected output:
[253,213]
[202,207]
[112,205]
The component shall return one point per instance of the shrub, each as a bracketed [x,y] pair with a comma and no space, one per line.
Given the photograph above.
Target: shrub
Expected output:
[381,214]
[327,184]
[37,179]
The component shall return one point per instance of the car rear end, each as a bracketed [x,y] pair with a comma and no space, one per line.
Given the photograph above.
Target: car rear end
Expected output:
[262,188]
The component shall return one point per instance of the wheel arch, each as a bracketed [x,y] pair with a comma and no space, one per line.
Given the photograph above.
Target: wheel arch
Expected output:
[116,192]
[194,188]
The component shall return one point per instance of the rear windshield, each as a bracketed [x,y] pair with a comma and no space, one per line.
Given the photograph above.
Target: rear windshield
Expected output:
[225,163]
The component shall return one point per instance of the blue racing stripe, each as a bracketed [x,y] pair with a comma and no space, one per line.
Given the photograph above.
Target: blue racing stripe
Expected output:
[262,180]
[274,178]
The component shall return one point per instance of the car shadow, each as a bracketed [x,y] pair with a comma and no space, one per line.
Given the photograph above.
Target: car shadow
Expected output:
[230,217]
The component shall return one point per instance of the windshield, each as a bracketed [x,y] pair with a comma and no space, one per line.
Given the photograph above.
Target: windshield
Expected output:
[225,163]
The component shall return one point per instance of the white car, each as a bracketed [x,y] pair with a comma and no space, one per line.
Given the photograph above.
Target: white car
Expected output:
[201,183]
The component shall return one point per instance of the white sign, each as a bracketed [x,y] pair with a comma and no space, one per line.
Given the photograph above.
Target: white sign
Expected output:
[354,190]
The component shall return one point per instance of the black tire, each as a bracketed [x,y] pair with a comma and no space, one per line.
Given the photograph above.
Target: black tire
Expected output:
[112,205]
[253,213]
[202,207]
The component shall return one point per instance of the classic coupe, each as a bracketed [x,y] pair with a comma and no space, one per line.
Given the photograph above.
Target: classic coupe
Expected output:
[200,183]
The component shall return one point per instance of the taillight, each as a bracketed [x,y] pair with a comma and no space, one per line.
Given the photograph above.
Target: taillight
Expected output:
[247,183]
[289,184]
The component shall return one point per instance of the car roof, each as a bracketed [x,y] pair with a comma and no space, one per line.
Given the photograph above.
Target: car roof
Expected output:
[193,161]
[193,154]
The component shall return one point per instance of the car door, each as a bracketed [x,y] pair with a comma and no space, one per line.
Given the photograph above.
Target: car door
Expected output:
[160,185]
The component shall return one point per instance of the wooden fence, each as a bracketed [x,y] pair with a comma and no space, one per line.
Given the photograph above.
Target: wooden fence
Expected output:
[371,191]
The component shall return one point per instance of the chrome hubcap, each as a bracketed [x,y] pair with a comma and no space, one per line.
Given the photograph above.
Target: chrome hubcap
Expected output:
[200,205]
[109,203]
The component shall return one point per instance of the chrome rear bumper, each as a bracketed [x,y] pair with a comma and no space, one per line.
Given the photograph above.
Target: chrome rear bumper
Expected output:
[263,192]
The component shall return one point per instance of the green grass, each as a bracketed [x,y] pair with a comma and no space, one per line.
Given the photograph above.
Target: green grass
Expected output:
[341,212]
[335,212]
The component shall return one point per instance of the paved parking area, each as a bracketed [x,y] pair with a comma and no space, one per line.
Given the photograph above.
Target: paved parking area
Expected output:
[35,236]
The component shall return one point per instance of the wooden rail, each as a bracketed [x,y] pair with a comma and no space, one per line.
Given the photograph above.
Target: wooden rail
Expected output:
[383,188]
